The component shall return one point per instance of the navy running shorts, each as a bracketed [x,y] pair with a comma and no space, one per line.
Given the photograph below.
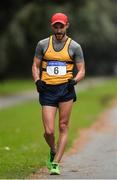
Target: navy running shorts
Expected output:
[52,95]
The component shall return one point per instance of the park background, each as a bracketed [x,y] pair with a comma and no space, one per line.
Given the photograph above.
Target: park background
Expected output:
[93,24]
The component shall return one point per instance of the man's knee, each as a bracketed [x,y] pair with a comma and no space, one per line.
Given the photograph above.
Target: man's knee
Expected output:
[63,127]
[49,133]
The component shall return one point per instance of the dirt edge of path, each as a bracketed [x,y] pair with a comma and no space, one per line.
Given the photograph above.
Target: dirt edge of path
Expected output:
[100,125]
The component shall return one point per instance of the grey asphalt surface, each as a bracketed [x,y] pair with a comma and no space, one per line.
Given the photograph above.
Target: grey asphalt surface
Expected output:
[98,157]
[18,98]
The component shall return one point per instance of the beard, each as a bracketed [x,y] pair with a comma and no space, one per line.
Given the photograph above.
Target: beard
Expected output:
[59,36]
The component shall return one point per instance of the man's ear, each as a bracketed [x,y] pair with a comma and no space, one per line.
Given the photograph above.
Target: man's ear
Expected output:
[67,25]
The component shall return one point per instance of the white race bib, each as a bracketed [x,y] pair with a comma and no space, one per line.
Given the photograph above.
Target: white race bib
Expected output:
[56,68]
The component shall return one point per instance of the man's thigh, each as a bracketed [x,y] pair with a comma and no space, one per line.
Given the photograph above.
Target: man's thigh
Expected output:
[48,116]
[65,110]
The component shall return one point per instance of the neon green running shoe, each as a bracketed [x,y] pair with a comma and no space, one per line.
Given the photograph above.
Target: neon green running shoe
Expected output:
[50,159]
[55,169]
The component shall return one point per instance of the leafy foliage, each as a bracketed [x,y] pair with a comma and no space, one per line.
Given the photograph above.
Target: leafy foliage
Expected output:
[23,23]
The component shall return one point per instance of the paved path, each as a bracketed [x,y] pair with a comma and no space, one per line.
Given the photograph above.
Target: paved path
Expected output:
[17,98]
[97,159]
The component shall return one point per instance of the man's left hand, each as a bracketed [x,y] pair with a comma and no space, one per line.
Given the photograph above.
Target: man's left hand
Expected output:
[71,83]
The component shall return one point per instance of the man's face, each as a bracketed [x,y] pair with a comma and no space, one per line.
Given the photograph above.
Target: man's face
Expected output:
[59,30]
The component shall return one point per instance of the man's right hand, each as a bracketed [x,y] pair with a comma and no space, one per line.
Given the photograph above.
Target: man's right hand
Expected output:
[39,85]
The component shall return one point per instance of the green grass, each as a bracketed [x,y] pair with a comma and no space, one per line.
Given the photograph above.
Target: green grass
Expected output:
[21,131]
[14,86]
[22,147]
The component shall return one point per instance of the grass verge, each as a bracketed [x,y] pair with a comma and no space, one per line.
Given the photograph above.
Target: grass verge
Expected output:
[10,87]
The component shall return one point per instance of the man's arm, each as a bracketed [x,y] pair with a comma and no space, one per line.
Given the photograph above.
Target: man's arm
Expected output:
[79,61]
[36,69]
[81,71]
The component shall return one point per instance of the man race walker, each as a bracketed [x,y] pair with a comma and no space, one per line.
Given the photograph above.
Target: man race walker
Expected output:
[56,57]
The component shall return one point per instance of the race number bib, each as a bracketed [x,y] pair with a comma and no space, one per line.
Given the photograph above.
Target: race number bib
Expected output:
[56,68]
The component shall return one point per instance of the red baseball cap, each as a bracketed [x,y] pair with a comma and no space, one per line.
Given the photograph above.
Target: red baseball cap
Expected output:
[59,17]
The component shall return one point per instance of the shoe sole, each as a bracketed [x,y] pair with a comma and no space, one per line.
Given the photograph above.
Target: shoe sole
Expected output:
[54,173]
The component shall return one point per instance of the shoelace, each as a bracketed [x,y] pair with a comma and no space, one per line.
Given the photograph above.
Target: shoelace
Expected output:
[54,166]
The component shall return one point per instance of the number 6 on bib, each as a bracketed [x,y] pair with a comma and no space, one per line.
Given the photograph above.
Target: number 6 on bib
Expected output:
[56,68]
